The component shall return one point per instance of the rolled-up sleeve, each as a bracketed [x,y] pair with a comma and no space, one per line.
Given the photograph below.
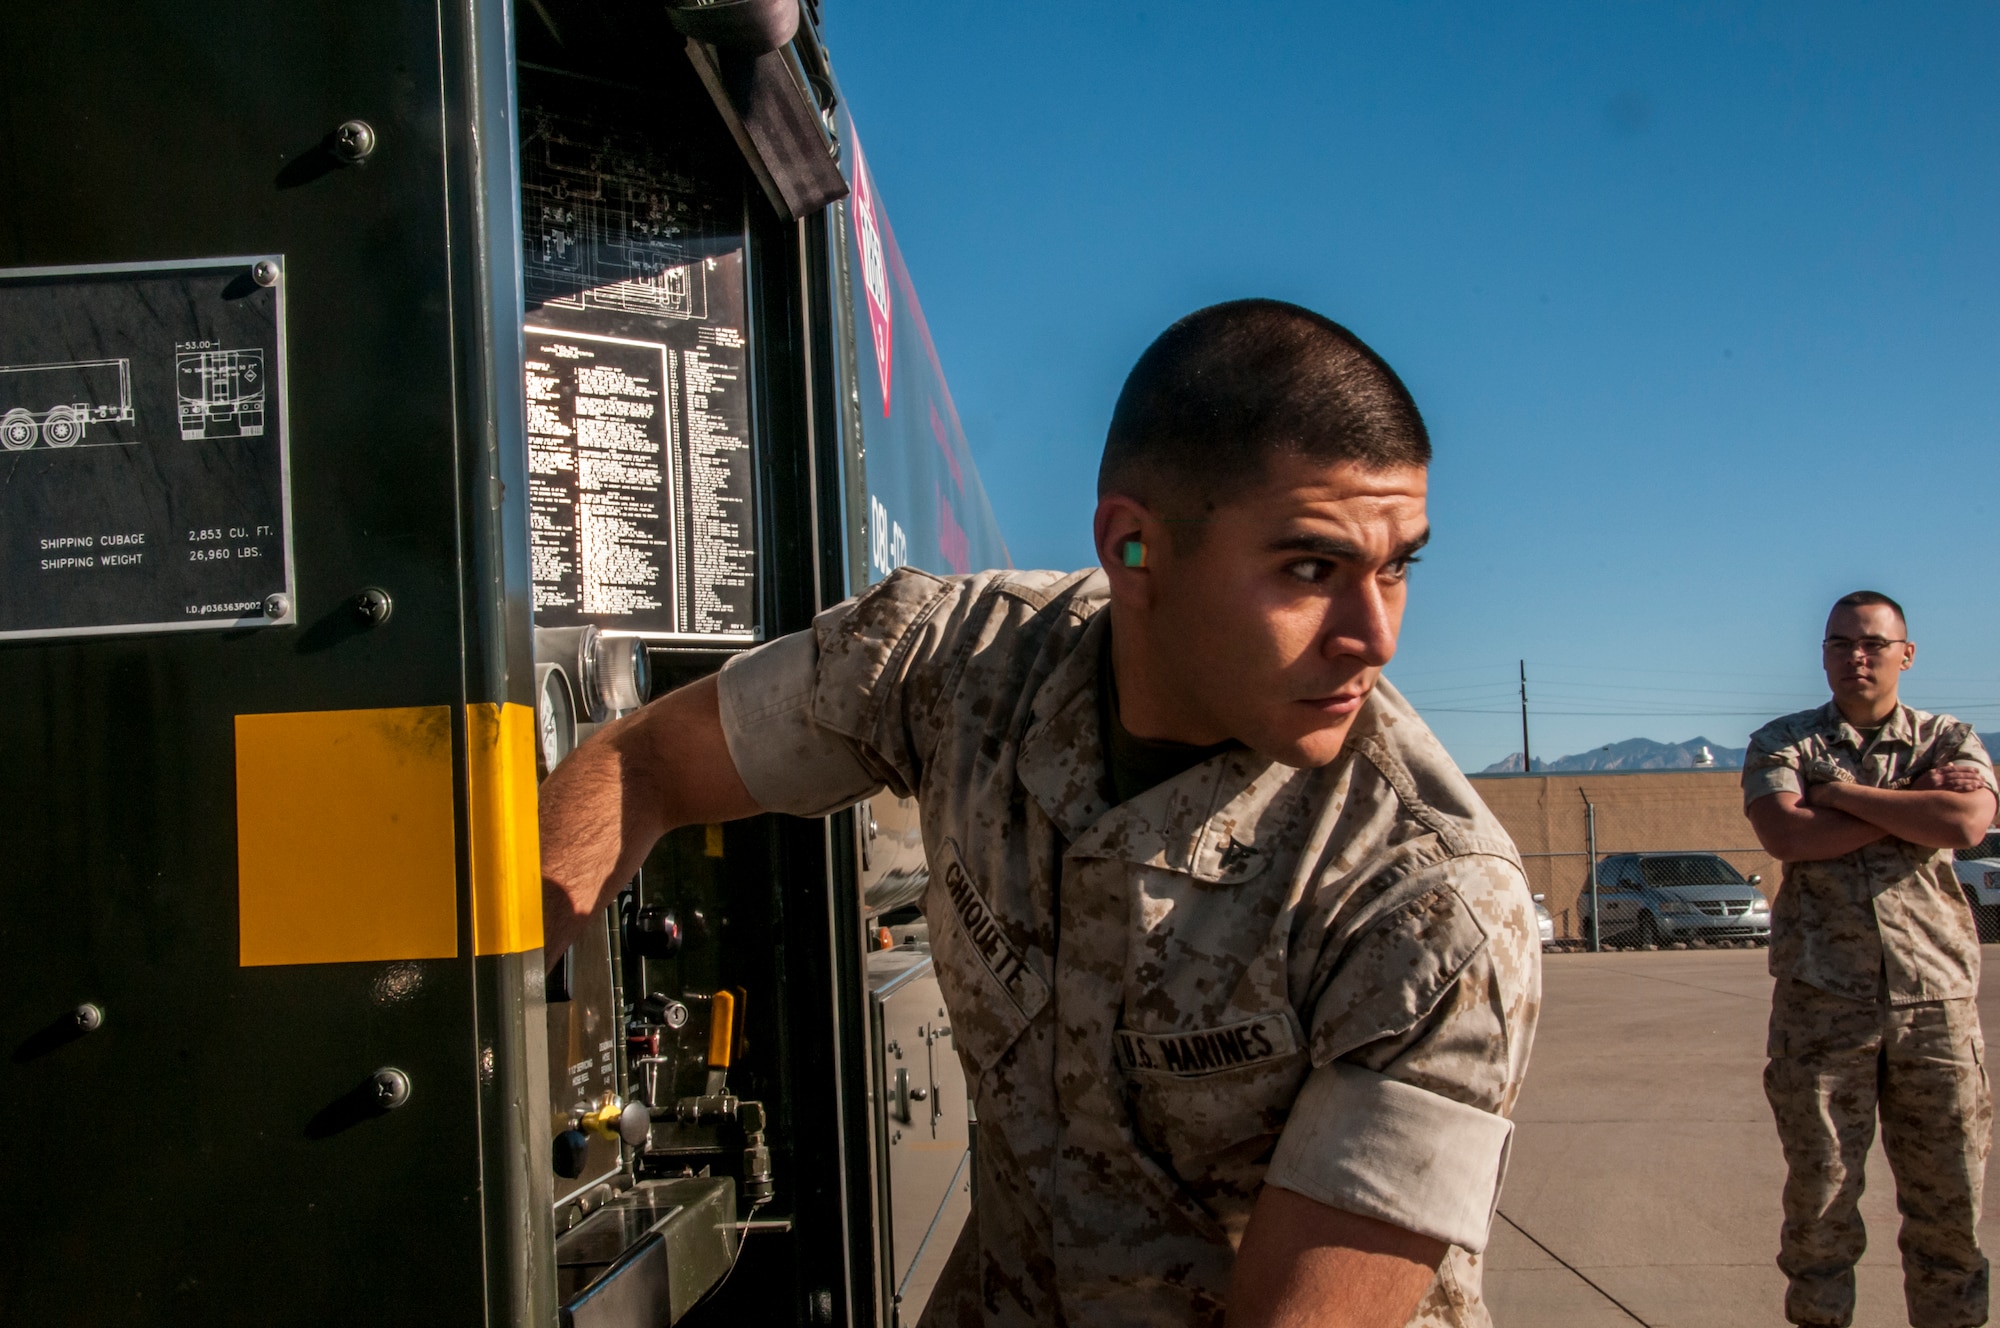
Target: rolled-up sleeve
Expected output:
[820,719]
[788,761]
[1770,767]
[1420,1044]
[1968,750]
[1364,1143]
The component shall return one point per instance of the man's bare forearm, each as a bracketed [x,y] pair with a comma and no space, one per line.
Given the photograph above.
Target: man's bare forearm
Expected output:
[600,815]
[604,808]
[1791,831]
[1933,818]
[1303,1264]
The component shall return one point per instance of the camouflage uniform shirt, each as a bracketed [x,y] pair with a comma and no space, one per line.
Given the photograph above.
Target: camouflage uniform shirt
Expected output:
[1887,919]
[1327,979]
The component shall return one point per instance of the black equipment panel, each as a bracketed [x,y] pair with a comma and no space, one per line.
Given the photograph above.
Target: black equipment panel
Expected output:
[369,1139]
[247,1172]
[142,444]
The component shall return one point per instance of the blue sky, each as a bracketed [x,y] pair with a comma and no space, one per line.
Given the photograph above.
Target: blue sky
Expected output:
[1702,305]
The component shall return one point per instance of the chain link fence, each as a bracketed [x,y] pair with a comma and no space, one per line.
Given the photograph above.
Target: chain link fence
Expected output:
[1690,898]
[1648,858]
[1663,859]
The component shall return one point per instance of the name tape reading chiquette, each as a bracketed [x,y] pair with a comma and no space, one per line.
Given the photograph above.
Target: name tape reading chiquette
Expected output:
[983,929]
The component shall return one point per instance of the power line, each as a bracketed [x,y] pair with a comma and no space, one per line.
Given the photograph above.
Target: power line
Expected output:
[1544,669]
[1605,714]
[1546,713]
[1570,698]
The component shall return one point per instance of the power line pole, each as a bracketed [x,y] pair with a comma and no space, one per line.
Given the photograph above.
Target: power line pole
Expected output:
[1590,833]
[1527,762]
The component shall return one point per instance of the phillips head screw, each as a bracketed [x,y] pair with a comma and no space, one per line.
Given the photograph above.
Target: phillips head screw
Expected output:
[354,141]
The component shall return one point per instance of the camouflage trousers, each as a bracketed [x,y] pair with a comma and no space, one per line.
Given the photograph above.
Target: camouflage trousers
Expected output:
[1835,1063]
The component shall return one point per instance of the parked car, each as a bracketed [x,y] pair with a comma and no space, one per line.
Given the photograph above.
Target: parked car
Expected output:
[1659,898]
[1545,921]
[1978,871]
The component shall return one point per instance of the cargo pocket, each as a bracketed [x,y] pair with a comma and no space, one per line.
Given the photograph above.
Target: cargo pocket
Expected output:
[1210,1103]
[1962,1018]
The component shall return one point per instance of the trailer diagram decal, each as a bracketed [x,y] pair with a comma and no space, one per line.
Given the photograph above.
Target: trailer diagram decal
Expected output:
[55,405]
[144,480]
[221,393]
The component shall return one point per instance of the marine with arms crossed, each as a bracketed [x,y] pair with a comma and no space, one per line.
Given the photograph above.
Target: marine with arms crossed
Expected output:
[1877,967]
[1242,972]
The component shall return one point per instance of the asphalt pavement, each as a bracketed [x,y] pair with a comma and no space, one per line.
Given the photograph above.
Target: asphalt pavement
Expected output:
[1644,1184]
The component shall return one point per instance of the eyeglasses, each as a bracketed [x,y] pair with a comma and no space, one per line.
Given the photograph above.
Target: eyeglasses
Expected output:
[1871,646]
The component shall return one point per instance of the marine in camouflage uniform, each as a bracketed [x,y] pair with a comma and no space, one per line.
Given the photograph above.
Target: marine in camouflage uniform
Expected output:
[1322,979]
[1877,965]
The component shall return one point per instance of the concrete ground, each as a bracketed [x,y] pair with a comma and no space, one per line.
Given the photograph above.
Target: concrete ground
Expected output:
[1644,1186]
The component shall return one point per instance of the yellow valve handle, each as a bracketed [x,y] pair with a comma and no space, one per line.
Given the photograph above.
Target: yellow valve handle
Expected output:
[721,1029]
[603,1122]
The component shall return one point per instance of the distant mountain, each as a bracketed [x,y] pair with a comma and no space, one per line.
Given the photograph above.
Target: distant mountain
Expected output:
[1645,754]
[1632,754]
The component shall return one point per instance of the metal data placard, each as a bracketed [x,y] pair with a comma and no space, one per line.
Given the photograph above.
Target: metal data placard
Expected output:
[143,464]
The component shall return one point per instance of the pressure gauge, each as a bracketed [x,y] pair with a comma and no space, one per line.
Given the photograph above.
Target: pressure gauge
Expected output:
[555,717]
[607,671]
[615,673]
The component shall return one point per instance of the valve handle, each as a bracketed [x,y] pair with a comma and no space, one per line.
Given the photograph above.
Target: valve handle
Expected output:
[602,1121]
[721,1029]
[615,1120]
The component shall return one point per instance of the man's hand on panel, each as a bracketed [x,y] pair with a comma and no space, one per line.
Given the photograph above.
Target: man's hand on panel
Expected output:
[603,809]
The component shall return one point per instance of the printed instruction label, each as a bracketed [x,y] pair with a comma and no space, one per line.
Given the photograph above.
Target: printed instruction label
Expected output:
[642,487]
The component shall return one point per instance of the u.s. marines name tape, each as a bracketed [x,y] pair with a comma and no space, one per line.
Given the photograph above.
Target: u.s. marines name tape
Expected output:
[1264,1037]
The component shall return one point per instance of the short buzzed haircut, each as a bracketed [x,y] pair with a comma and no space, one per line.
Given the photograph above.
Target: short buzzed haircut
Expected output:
[1857,599]
[1229,387]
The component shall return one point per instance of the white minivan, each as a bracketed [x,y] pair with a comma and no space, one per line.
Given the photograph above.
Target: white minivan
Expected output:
[1978,871]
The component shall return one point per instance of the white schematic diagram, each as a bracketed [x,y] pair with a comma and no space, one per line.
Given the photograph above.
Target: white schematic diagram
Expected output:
[221,393]
[55,405]
[609,227]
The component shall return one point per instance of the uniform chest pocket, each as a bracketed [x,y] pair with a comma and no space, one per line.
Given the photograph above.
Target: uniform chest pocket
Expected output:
[1198,1095]
[988,984]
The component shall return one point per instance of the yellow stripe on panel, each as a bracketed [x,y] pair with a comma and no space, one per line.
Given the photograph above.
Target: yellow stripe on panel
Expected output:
[506,843]
[345,846]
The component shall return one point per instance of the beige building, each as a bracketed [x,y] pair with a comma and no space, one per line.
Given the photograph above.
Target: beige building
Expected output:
[1637,811]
